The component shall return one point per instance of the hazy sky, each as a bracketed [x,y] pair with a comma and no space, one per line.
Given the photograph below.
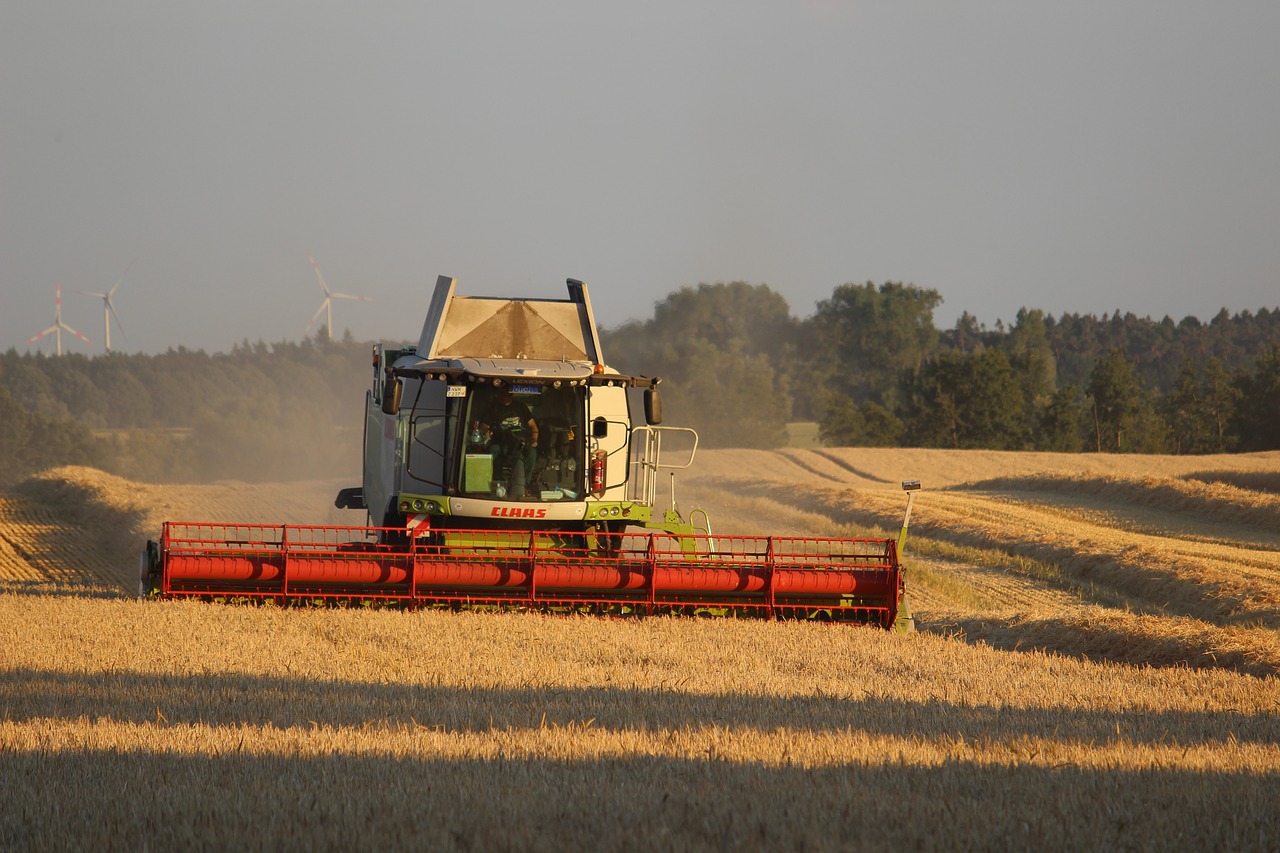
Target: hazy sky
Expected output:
[1075,157]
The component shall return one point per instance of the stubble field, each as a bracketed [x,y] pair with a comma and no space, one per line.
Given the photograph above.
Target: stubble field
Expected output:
[1095,667]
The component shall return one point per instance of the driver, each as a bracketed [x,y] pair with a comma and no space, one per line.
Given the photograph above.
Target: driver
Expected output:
[515,434]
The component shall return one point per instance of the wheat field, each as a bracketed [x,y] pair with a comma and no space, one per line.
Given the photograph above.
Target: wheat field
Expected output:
[1096,666]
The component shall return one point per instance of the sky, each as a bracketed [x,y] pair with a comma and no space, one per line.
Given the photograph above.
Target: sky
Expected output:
[1082,157]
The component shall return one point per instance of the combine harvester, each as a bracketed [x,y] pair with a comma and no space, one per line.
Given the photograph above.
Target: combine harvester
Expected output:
[504,468]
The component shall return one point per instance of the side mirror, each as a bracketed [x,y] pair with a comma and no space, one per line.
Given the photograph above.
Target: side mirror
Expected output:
[599,428]
[652,406]
[392,388]
[350,498]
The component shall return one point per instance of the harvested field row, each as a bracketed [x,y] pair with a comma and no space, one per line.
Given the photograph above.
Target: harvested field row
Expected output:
[999,590]
[945,468]
[25,552]
[1217,502]
[1097,633]
[1256,481]
[1207,581]
[1137,565]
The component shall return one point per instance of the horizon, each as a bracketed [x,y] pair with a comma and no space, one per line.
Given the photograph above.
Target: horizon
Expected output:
[41,348]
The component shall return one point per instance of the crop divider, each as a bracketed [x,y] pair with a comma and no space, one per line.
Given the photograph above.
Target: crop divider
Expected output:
[415,553]
[770,569]
[651,566]
[533,570]
[165,587]
[284,564]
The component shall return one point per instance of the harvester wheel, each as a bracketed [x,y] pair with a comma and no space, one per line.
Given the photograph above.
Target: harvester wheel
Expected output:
[149,570]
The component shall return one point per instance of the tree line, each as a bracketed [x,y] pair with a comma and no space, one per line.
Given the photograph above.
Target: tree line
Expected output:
[259,413]
[873,369]
[869,366]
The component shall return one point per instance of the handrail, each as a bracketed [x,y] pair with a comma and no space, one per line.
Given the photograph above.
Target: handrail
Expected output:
[649,462]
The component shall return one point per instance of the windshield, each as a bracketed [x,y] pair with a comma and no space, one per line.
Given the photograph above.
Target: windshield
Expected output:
[523,442]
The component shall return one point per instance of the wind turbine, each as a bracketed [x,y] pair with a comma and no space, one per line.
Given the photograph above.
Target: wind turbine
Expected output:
[58,326]
[108,309]
[326,307]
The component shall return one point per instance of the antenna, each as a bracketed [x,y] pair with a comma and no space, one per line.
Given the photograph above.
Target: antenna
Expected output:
[326,307]
[58,326]
[108,309]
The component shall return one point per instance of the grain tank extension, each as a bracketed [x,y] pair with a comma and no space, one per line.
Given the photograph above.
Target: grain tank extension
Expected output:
[506,466]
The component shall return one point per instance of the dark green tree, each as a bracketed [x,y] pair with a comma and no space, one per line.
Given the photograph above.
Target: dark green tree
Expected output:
[1059,421]
[32,442]
[1200,408]
[1123,416]
[1180,409]
[964,401]
[845,424]
[1220,401]
[967,336]
[1028,347]
[1258,415]
[874,335]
